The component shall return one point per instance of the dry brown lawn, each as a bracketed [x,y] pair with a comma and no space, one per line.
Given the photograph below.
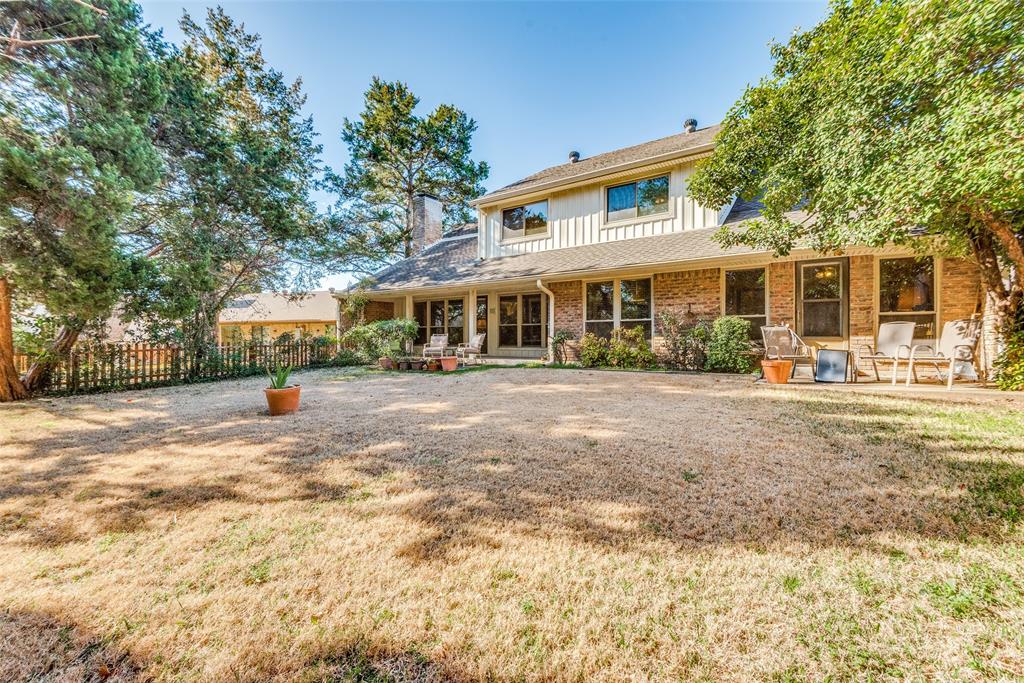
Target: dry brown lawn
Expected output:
[513,524]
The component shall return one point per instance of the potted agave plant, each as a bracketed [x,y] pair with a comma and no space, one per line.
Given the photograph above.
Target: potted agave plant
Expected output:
[282,398]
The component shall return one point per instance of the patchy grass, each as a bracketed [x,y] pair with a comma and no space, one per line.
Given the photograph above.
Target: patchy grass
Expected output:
[516,525]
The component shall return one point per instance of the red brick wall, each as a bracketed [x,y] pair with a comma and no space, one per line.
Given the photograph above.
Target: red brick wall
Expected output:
[688,293]
[379,310]
[782,293]
[863,301]
[569,311]
[695,292]
[961,294]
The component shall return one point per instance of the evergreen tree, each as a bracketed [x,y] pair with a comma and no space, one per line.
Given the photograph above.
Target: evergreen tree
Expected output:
[74,151]
[394,154]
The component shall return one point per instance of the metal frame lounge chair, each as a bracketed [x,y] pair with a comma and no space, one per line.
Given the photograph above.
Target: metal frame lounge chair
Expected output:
[892,344]
[436,347]
[782,343]
[473,348]
[955,351]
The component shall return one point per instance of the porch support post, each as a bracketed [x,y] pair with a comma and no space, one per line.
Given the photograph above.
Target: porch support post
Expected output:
[551,319]
[470,316]
[408,306]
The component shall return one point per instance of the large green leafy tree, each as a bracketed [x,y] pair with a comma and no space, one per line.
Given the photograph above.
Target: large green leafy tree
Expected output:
[395,154]
[74,151]
[233,213]
[887,118]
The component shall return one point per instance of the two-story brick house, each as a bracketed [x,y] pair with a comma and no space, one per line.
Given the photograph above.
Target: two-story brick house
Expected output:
[614,239]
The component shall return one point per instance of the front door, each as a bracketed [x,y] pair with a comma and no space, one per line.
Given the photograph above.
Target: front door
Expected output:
[823,301]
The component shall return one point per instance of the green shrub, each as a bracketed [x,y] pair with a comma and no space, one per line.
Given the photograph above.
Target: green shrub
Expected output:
[593,351]
[729,346]
[345,358]
[685,340]
[629,349]
[381,338]
[1009,366]
[559,343]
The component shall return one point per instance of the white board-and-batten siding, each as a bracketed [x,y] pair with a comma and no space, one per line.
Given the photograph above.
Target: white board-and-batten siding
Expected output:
[576,218]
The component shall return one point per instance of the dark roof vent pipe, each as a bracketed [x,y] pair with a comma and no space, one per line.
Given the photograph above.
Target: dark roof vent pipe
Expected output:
[574,156]
[689,125]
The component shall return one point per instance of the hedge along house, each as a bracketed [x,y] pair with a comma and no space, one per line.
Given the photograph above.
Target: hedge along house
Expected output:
[265,316]
[613,240]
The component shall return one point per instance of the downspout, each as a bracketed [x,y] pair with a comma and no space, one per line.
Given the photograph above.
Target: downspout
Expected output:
[551,319]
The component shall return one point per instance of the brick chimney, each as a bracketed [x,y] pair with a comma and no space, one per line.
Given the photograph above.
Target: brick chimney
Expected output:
[427,213]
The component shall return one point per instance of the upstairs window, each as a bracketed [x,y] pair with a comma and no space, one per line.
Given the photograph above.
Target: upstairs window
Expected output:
[525,221]
[906,289]
[637,199]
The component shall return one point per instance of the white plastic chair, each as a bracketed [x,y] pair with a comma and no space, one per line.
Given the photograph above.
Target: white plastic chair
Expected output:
[956,351]
[891,346]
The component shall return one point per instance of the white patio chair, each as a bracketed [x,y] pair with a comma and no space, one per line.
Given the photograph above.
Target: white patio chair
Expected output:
[956,351]
[436,347]
[782,343]
[891,346]
[473,348]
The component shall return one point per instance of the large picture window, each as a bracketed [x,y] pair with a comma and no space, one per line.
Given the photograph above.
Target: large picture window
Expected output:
[745,297]
[618,303]
[821,299]
[525,221]
[906,291]
[637,199]
[521,320]
[444,316]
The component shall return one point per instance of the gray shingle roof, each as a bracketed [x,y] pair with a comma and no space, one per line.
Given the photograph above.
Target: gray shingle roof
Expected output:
[456,262]
[679,143]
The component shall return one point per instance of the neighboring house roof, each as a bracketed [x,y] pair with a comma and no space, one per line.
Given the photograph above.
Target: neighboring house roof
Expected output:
[270,307]
[455,261]
[673,145]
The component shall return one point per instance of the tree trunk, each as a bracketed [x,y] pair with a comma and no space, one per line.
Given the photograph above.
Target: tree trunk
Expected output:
[11,388]
[410,220]
[38,375]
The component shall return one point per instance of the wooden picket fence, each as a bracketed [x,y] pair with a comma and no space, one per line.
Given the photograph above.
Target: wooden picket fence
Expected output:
[112,367]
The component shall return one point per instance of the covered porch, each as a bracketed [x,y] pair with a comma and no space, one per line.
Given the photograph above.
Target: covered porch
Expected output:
[516,319]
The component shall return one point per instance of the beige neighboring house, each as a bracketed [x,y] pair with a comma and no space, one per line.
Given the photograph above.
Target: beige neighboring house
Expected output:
[613,240]
[266,316]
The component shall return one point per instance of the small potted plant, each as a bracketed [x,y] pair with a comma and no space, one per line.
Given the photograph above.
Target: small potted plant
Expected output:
[776,371]
[282,398]
[433,364]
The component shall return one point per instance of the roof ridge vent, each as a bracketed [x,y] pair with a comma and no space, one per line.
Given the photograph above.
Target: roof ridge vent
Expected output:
[574,156]
[689,125]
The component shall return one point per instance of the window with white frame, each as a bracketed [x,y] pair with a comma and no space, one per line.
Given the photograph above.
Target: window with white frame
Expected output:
[637,199]
[520,320]
[615,303]
[746,297]
[443,316]
[906,291]
[529,220]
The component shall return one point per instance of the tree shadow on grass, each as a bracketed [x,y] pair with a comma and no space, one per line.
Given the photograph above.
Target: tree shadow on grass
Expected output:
[608,459]
[35,647]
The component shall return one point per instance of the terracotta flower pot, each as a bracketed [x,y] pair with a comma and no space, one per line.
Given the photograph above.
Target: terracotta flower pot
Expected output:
[449,363]
[777,371]
[283,401]
[433,365]
[385,363]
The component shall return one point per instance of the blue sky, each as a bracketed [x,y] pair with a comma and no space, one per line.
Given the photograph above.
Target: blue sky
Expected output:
[540,79]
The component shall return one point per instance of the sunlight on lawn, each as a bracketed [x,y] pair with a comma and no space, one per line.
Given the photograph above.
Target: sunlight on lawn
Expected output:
[512,524]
